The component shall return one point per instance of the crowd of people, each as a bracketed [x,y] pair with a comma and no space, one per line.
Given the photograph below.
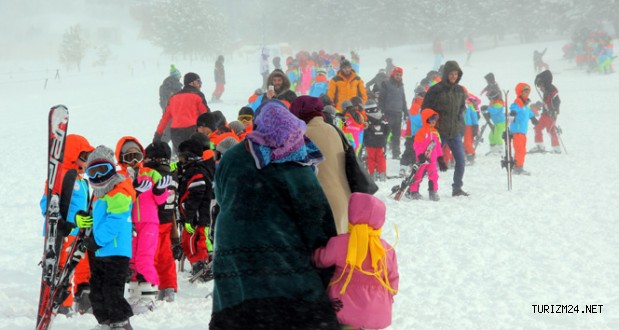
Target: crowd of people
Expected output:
[592,50]
[295,248]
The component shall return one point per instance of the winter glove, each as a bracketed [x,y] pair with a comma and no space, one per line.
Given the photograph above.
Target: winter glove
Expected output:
[65,227]
[143,186]
[421,159]
[161,186]
[91,244]
[83,219]
[157,137]
[177,250]
[189,228]
[441,164]
[534,121]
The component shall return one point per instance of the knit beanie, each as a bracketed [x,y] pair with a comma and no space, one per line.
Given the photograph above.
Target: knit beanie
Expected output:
[207,119]
[306,107]
[190,77]
[191,148]
[174,72]
[225,144]
[246,111]
[103,184]
[128,145]
[158,150]
[237,127]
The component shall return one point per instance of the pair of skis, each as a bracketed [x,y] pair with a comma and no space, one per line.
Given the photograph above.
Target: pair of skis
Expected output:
[55,282]
[399,190]
[508,160]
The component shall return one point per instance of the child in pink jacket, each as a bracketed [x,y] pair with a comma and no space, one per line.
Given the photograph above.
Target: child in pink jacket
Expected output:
[151,191]
[366,270]
[429,158]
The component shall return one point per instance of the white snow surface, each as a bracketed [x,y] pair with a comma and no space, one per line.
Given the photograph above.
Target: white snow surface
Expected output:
[465,263]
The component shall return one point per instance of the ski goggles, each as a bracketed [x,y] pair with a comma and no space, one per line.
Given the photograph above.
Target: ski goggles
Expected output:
[83,156]
[132,157]
[432,118]
[99,170]
[245,118]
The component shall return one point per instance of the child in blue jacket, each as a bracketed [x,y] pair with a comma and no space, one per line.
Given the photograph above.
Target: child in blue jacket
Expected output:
[109,245]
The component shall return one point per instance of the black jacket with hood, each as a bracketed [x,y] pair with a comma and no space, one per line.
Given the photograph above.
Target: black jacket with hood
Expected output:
[284,93]
[449,101]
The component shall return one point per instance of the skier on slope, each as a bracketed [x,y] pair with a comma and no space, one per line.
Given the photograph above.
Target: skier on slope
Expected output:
[548,119]
[76,153]
[520,113]
[430,160]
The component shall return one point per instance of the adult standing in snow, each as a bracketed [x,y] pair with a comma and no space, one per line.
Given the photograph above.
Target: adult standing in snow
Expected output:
[448,99]
[280,89]
[346,85]
[170,86]
[392,101]
[266,232]
[220,79]
[264,67]
[182,111]
[332,171]
[373,86]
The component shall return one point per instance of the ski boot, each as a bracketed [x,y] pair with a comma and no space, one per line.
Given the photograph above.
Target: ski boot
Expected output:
[82,299]
[470,159]
[122,325]
[414,195]
[518,170]
[66,311]
[167,295]
[142,297]
[434,196]
[382,177]
[539,148]
[556,150]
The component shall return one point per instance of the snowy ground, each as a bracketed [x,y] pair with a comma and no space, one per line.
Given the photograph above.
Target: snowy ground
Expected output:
[467,263]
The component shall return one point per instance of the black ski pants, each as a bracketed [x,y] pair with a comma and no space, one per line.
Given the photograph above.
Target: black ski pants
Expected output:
[107,288]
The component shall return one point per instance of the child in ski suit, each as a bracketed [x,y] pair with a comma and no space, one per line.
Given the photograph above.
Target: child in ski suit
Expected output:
[427,159]
[151,191]
[76,153]
[520,113]
[158,158]
[109,245]
[495,115]
[321,83]
[366,270]
[195,193]
[548,119]
[471,126]
[375,141]
[354,123]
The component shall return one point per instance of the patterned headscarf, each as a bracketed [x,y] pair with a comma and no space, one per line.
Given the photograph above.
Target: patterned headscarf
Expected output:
[279,137]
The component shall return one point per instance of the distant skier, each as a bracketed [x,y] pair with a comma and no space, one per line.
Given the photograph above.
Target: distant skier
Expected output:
[538,61]
[220,79]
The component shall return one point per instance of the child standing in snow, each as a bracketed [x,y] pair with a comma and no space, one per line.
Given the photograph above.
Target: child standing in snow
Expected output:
[427,158]
[366,270]
[354,123]
[520,114]
[109,246]
[151,191]
[375,141]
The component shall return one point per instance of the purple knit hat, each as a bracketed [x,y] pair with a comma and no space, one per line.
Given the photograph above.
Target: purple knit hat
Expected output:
[307,107]
[278,129]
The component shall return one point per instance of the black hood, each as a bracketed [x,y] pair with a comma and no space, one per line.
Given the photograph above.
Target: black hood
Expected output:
[451,66]
[544,78]
[490,78]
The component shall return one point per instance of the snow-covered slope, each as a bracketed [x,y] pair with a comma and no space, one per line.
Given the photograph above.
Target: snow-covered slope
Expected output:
[465,263]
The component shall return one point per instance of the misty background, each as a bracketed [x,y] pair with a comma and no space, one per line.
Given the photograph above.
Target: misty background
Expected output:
[87,32]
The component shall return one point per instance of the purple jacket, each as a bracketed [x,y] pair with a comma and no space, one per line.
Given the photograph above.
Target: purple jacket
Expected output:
[365,303]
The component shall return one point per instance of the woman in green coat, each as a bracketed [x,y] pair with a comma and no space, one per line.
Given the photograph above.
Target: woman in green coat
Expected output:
[273,215]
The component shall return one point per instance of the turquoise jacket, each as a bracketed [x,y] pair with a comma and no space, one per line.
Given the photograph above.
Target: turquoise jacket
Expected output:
[523,114]
[112,227]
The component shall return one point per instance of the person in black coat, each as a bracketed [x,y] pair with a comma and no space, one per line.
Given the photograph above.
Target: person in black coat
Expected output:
[392,101]
[448,99]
